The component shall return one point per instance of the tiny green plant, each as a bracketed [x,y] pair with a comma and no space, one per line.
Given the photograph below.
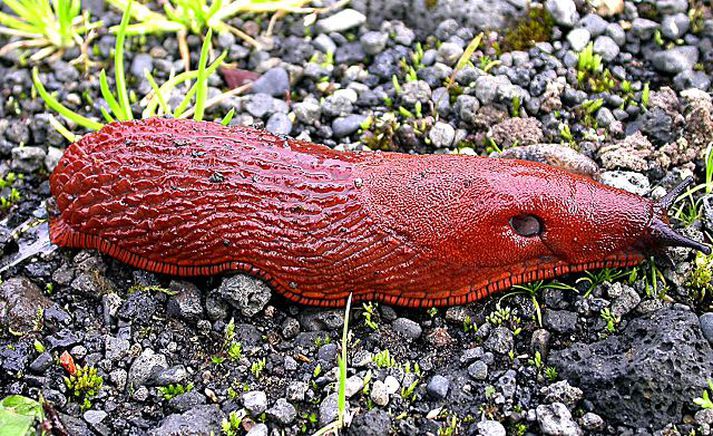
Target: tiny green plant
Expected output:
[551,373]
[700,279]
[369,315]
[174,390]
[48,25]
[231,425]
[533,290]
[604,275]
[611,321]
[19,415]
[536,361]
[704,401]
[258,367]
[84,384]
[645,95]
[383,359]
[464,58]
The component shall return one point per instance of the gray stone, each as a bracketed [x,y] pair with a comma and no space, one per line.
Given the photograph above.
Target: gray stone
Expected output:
[675,60]
[20,300]
[561,321]
[170,376]
[260,105]
[605,117]
[279,124]
[186,302]
[324,43]
[41,363]
[328,409]
[115,348]
[353,385]
[28,159]
[562,392]
[516,131]
[201,420]
[341,21]
[591,421]
[616,32]
[706,321]
[606,47]
[295,391]
[486,87]
[374,42]
[94,416]
[283,412]
[186,401]
[307,111]
[490,427]
[675,26]
[258,429]
[438,387]
[449,53]
[345,126]
[644,28]
[633,182]
[668,7]
[54,154]
[625,299]
[578,38]
[245,293]
[416,91]
[375,422]
[645,375]
[500,340]
[467,107]
[274,82]
[595,24]
[337,105]
[442,135]
[141,63]
[478,370]
[564,12]
[255,402]
[146,366]
[556,420]
[379,394]
[407,328]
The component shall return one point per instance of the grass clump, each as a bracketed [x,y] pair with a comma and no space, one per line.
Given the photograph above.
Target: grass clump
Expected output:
[700,278]
[591,73]
[528,31]
[50,26]
[172,391]
[84,384]
[118,104]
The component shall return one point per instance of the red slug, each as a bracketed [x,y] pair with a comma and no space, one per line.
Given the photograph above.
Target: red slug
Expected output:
[193,198]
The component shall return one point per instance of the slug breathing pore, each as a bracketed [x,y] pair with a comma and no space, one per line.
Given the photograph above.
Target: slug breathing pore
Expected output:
[191,198]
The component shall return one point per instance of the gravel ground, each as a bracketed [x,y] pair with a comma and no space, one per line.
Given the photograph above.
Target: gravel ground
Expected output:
[624,354]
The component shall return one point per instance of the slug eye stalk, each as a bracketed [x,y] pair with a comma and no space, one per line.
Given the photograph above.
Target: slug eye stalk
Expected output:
[662,232]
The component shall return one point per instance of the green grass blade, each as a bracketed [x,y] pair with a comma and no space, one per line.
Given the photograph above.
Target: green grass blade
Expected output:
[105,113]
[60,108]
[120,80]
[228,117]
[342,398]
[184,104]
[69,136]
[109,97]
[159,96]
[202,80]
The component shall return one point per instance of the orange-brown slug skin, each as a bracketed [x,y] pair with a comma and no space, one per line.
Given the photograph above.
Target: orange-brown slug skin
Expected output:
[191,198]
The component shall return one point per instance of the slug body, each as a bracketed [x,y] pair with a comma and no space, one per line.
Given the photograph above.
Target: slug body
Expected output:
[193,198]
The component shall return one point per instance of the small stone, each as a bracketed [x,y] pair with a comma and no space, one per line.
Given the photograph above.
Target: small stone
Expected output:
[486,87]
[517,131]
[324,43]
[328,409]
[616,33]
[274,82]
[374,42]
[118,377]
[378,393]
[626,301]
[490,427]
[407,328]
[283,412]
[564,12]
[438,387]
[115,348]
[94,416]
[20,300]
[556,420]
[258,429]
[706,321]
[141,63]
[255,402]
[595,24]
[145,366]
[676,59]
[562,392]
[295,391]
[561,321]
[308,111]
[414,92]
[633,182]
[279,124]
[478,370]
[28,159]
[41,363]
[54,154]
[644,28]
[260,105]
[375,422]
[341,21]
[449,53]
[442,135]
[200,420]
[605,117]
[170,376]
[345,126]
[500,340]
[606,47]
[141,394]
[578,38]
[186,302]
[591,421]
[245,293]
[468,108]
[391,384]
[353,385]
[675,26]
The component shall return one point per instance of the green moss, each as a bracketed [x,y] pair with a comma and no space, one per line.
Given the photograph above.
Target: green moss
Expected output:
[531,29]
[84,385]
[701,277]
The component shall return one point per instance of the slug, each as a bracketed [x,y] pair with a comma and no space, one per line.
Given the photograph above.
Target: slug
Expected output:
[189,198]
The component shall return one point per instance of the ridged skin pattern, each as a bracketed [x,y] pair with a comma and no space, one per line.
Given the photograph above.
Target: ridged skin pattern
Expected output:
[193,198]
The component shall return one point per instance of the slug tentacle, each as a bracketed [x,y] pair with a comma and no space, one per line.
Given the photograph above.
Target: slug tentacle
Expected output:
[190,198]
